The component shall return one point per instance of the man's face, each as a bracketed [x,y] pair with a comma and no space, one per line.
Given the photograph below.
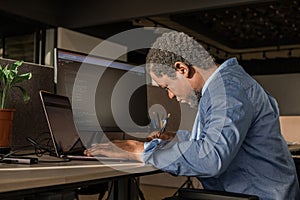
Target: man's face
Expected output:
[179,88]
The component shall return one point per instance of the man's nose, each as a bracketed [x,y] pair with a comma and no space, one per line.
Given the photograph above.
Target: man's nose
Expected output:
[171,94]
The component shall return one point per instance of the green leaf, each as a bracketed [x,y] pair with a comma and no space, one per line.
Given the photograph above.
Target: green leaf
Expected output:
[8,78]
[16,64]
[26,96]
[1,74]
[22,77]
[12,74]
[6,71]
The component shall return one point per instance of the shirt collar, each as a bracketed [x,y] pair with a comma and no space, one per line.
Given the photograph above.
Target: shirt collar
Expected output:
[231,61]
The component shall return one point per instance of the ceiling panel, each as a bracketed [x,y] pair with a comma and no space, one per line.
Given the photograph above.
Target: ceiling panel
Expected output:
[230,25]
[248,26]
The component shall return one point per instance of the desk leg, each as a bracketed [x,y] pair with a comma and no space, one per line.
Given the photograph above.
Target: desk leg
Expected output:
[124,188]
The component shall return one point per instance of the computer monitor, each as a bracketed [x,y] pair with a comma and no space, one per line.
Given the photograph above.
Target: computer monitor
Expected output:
[106,95]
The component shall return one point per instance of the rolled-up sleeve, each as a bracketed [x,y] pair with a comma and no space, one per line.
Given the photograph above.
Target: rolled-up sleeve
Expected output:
[150,147]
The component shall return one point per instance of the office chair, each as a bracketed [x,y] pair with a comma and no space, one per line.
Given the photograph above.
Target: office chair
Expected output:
[188,183]
[296,159]
[99,189]
[202,194]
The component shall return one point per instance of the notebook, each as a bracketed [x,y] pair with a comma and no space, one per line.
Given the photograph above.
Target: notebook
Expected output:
[64,134]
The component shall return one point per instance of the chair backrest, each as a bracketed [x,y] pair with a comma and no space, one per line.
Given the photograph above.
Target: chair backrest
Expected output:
[297,164]
[190,194]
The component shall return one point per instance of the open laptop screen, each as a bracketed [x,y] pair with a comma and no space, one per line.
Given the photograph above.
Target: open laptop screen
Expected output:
[59,116]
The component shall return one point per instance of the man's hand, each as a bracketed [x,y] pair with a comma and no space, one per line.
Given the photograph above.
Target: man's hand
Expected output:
[128,149]
[164,136]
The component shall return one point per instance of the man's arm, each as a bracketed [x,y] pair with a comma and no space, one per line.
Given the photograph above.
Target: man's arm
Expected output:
[129,149]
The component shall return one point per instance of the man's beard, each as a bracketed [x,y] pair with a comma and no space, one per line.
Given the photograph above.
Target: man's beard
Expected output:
[194,98]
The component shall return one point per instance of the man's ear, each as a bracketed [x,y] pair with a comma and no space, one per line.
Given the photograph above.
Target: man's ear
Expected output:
[182,68]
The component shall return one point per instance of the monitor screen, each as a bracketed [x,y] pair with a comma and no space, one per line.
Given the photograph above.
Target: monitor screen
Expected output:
[106,95]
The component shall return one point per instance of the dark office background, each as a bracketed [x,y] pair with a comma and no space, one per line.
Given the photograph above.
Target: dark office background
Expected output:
[263,35]
[227,28]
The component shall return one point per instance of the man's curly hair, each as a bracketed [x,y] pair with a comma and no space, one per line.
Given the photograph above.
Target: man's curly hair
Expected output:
[176,46]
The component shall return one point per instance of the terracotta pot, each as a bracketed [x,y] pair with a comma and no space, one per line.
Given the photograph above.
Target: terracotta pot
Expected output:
[6,119]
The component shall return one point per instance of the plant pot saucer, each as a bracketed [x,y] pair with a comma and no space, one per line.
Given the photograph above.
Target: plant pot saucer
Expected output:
[5,150]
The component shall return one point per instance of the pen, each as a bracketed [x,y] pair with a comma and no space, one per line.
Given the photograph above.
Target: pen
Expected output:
[164,124]
[158,120]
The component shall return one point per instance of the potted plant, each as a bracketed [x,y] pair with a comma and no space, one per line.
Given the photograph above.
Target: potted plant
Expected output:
[9,79]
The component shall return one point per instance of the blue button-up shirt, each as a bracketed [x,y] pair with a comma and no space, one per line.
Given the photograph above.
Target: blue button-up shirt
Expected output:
[235,144]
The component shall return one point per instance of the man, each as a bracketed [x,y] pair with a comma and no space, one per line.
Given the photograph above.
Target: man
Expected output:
[235,145]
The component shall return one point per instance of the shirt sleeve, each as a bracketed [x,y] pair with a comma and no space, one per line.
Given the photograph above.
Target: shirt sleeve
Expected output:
[150,147]
[225,120]
[183,135]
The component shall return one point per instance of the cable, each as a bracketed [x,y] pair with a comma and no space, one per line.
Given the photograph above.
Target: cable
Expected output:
[39,149]
[13,153]
[55,161]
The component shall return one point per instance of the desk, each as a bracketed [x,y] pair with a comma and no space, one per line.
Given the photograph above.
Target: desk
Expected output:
[295,151]
[19,179]
[294,148]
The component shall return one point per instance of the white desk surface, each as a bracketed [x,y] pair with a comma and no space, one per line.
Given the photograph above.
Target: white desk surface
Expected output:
[16,177]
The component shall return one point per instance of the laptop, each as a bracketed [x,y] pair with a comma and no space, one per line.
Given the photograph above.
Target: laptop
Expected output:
[64,134]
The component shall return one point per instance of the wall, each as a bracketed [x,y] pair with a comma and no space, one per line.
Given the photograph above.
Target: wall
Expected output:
[285,89]
[79,42]
[290,128]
